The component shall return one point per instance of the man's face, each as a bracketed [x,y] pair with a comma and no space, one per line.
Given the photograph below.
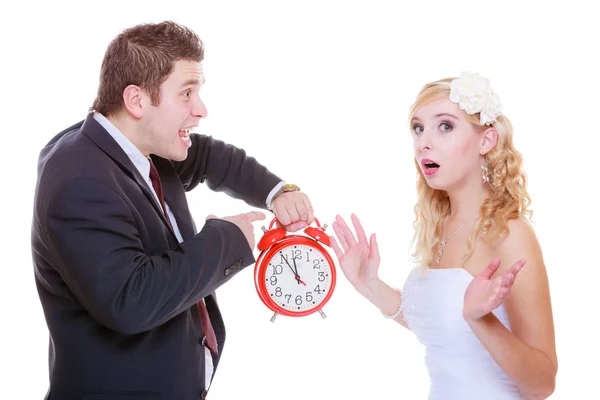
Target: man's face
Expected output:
[179,110]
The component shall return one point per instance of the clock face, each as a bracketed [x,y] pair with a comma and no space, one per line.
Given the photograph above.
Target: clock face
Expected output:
[298,277]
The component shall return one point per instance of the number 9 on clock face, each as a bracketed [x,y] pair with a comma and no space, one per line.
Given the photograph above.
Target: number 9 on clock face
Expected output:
[296,279]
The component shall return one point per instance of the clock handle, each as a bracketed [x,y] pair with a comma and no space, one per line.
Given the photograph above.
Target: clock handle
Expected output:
[274,235]
[272,222]
[316,221]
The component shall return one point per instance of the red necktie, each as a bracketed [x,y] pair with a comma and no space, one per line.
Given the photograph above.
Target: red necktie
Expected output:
[211,339]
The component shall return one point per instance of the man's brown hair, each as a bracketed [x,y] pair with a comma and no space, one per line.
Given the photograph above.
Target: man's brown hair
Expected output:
[143,55]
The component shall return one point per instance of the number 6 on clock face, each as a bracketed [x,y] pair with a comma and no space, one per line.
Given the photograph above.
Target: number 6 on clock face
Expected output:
[296,276]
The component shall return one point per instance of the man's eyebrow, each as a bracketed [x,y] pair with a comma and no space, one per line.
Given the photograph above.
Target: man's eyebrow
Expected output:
[193,81]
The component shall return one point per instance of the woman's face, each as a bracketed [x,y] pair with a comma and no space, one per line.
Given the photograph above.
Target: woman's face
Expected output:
[447,146]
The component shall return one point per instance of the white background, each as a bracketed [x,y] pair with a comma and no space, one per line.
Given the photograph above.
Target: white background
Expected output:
[335,81]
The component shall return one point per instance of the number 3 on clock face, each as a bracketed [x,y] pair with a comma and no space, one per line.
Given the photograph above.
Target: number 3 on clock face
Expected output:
[298,278]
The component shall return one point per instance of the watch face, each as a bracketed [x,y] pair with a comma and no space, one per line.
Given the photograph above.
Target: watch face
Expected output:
[298,277]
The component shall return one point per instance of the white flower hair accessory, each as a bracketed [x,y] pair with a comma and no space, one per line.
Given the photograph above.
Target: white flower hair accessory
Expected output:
[473,94]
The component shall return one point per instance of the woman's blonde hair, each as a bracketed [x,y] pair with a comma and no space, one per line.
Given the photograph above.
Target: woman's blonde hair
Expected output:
[508,186]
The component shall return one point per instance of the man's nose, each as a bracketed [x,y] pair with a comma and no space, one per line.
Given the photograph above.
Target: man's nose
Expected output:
[199,109]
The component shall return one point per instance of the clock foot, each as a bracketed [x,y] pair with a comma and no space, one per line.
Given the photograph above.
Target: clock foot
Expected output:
[322,314]
[274,316]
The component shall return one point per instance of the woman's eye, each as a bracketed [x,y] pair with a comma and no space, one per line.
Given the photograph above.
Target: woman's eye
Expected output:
[418,129]
[445,127]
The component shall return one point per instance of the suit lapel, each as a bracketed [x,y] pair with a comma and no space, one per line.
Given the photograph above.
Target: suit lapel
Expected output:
[93,130]
[175,196]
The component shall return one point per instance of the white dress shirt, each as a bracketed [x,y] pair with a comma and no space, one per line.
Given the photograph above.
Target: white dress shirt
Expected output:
[143,166]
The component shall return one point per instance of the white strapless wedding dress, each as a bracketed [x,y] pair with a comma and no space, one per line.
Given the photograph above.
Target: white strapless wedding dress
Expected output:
[460,368]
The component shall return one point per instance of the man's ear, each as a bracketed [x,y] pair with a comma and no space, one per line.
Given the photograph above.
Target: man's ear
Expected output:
[133,98]
[489,140]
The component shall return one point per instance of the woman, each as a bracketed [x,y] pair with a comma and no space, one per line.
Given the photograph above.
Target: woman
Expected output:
[487,325]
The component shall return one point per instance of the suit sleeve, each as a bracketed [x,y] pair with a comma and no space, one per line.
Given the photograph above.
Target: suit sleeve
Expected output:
[226,168]
[94,240]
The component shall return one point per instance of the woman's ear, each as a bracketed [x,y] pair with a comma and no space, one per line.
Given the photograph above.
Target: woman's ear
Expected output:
[489,140]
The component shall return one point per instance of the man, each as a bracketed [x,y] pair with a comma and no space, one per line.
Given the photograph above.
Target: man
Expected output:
[125,280]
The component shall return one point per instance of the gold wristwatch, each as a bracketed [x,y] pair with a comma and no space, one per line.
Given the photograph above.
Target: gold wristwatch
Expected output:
[288,187]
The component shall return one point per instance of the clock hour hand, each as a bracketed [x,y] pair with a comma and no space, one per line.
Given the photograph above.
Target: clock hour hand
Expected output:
[297,275]
[294,272]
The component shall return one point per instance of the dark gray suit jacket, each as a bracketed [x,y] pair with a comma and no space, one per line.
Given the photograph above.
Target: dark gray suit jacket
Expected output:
[117,288]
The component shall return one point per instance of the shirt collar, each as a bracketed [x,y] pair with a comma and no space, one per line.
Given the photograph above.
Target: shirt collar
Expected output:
[135,155]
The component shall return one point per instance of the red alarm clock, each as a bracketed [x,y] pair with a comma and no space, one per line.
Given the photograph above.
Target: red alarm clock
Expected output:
[294,274]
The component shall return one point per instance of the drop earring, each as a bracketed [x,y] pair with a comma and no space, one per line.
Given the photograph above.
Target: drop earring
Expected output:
[485,172]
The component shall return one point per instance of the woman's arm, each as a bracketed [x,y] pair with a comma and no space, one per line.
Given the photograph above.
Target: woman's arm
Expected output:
[359,260]
[527,352]
[387,299]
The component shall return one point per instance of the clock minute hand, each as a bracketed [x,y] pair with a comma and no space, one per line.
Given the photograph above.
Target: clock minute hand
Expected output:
[292,269]
[297,275]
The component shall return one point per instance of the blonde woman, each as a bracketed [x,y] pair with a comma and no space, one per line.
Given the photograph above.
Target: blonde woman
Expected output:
[479,300]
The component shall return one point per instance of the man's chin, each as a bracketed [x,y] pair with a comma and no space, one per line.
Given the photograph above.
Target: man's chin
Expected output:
[176,156]
[179,157]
